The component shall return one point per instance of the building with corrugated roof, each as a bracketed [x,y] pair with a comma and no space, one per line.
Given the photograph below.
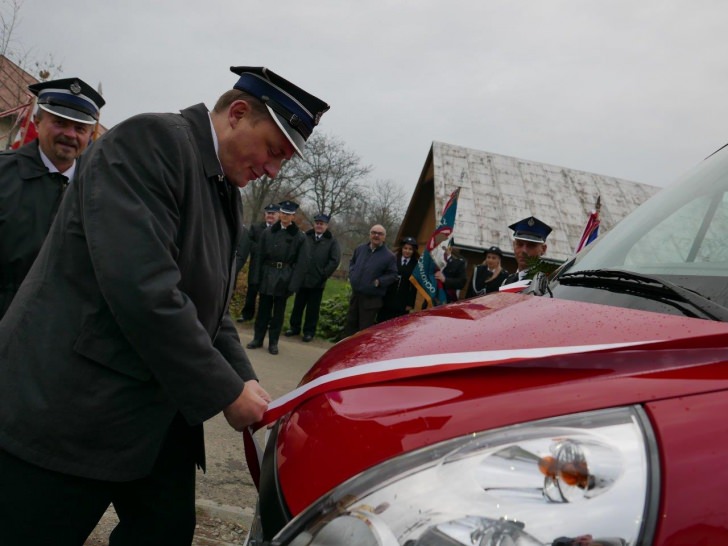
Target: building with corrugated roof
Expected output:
[498,190]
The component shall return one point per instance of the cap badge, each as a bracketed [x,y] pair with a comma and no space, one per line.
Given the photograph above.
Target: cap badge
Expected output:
[75,88]
[531,222]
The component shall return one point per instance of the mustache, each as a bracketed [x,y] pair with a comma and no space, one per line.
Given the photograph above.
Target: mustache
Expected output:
[67,141]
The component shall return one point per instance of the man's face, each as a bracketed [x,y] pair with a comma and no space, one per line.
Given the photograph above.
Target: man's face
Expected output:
[271,217]
[319,227]
[252,147]
[286,219]
[527,249]
[377,235]
[62,140]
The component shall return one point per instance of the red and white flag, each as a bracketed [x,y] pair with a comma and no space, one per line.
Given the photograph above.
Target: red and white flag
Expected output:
[26,130]
[591,230]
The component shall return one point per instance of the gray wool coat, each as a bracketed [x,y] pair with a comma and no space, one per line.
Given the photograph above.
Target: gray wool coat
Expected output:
[122,322]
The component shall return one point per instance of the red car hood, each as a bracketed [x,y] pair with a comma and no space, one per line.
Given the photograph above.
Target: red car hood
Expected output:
[498,360]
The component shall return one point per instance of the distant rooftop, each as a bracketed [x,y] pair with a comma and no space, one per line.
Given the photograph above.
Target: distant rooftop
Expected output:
[498,190]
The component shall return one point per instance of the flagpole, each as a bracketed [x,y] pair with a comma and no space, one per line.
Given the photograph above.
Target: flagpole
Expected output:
[95,134]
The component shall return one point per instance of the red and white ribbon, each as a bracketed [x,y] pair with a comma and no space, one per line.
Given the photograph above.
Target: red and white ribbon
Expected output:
[387,370]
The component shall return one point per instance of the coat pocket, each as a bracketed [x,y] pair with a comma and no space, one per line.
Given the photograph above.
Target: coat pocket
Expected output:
[101,340]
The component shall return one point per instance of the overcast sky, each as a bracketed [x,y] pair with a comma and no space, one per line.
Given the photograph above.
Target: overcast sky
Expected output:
[632,89]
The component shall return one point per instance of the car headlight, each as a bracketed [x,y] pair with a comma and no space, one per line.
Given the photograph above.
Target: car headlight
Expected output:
[541,483]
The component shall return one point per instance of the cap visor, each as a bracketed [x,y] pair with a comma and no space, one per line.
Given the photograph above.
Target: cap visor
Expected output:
[529,237]
[68,113]
[293,136]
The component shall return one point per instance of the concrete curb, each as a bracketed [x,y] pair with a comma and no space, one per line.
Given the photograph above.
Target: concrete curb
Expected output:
[233,514]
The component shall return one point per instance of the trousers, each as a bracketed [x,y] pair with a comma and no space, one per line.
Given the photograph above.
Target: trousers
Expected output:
[40,506]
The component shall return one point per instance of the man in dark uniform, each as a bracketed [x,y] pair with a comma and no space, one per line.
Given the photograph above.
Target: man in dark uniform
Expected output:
[119,345]
[34,177]
[256,230]
[325,258]
[453,276]
[282,263]
[529,243]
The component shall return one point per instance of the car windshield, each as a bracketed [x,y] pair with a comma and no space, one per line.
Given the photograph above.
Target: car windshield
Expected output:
[678,238]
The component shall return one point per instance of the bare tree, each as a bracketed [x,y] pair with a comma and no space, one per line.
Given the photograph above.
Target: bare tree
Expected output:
[327,179]
[329,175]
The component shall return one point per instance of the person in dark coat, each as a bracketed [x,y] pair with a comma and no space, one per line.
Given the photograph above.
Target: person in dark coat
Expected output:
[529,243]
[119,345]
[282,263]
[453,276]
[242,252]
[325,259]
[34,177]
[400,297]
[270,214]
[488,276]
[372,269]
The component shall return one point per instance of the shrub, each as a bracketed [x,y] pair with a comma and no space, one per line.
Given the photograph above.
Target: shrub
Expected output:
[332,317]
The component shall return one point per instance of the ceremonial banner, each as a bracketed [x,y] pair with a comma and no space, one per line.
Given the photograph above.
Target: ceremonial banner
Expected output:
[432,259]
[591,230]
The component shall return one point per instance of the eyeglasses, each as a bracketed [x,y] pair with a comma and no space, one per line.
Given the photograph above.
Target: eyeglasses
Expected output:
[380,233]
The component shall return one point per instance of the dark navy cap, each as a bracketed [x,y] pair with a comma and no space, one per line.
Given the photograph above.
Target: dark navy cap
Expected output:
[272,207]
[494,250]
[530,229]
[408,241]
[321,217]
[288,207]
[294,110]
[69,98]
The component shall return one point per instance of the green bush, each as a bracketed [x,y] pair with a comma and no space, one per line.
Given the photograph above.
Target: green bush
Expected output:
[332,317]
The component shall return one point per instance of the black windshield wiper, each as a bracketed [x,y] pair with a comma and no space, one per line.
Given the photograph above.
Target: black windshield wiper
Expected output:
[649,287]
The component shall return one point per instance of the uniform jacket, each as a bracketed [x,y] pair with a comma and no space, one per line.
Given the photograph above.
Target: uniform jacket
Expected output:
[325,258]
[122,321]
[243,251]
[255,233]
[478,285]
[455,277]
[367,265]
[282,260]
[402,293]
[29,199]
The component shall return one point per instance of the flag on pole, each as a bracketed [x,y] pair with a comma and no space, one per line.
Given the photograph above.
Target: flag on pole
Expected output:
[423,276]
[591,230]
[26,129]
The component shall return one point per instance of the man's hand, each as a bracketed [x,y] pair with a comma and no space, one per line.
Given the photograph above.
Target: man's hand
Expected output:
[439,275]
[248,408]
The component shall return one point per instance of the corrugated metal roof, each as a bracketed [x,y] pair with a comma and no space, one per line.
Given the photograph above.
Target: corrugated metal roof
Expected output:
[14,82]
[498,190]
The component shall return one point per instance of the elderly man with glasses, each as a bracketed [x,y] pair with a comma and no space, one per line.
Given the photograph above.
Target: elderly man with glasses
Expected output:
[372,268]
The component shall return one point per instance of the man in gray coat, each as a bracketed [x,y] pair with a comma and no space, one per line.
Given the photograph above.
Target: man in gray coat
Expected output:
[118,345]
[372,269]
[325,258]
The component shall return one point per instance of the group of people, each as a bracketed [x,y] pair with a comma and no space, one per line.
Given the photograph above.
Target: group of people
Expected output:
[380,280]
[285,261]
[117,269]
[118,264]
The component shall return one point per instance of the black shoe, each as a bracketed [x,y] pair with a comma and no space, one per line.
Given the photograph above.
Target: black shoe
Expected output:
[307,338]
[290,333]
[254,344]
[273,349]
